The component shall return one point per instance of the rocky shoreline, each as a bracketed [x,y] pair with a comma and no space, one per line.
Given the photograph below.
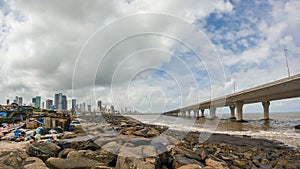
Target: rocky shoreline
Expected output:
[124,142]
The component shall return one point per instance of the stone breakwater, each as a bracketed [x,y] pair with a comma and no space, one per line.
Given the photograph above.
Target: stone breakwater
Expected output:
[144,146]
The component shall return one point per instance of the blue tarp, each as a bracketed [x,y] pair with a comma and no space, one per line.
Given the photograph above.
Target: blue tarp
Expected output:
[76,122]
[3,114]
[41,121]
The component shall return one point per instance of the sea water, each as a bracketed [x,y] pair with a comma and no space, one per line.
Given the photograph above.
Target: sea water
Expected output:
[280,127]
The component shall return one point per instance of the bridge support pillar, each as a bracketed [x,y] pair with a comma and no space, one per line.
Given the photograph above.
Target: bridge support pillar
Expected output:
[239,109]
[266,106]
[189,113]
[212,112]
[232,112]
[196,111]
[202,112]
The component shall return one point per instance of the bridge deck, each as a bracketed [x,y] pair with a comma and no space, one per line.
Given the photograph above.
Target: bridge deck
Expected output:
[277,90]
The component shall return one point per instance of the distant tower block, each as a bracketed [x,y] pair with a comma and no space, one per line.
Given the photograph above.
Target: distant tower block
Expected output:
[7,101]
[112,109]
[73,104]
[99,104]
[89,108]
[20,101]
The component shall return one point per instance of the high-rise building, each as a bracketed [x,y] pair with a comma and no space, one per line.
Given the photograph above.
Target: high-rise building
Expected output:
[20,101]
[73,104]
[80,107]
[59,101]
[7,101]
[49,103]
[99,106]
[89,108]
[83,107]
[112,109]
[56,101]
[38,101]
[43,105]
[64,102]
[76,108]
[33,101]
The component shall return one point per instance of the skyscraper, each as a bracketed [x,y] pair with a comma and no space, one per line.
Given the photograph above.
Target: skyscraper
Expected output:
[38,101]
[112,109]
[89,108]
[64,102]
[56,101]
[33,101]
[20,101]
[83,107]
[7,101]
[59,104]
[49,103]
[73,104]
[99,106]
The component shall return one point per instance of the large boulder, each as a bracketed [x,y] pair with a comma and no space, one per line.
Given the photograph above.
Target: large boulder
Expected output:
[73,163]
[42,150]
[180,160]
[64,153]
[84,145]
[136,163]
[101,155]
[63,144]
[190,166]
[33,163]
[217,164]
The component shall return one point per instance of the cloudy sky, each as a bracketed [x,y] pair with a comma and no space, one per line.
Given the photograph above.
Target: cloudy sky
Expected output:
[146,55]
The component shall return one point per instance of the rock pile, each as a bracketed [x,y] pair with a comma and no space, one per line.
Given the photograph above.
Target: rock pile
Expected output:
[145,146]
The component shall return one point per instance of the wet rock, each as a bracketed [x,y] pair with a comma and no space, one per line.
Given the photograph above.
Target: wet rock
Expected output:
[142,132]
[256,158]
[190,166]
[180,160]
[216,164]
[42,150]
[72,163]
[84,145]
[202,153]
[152,132]
[282,163]
[248,155]
[240,163]
[265,161]
[188,153]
